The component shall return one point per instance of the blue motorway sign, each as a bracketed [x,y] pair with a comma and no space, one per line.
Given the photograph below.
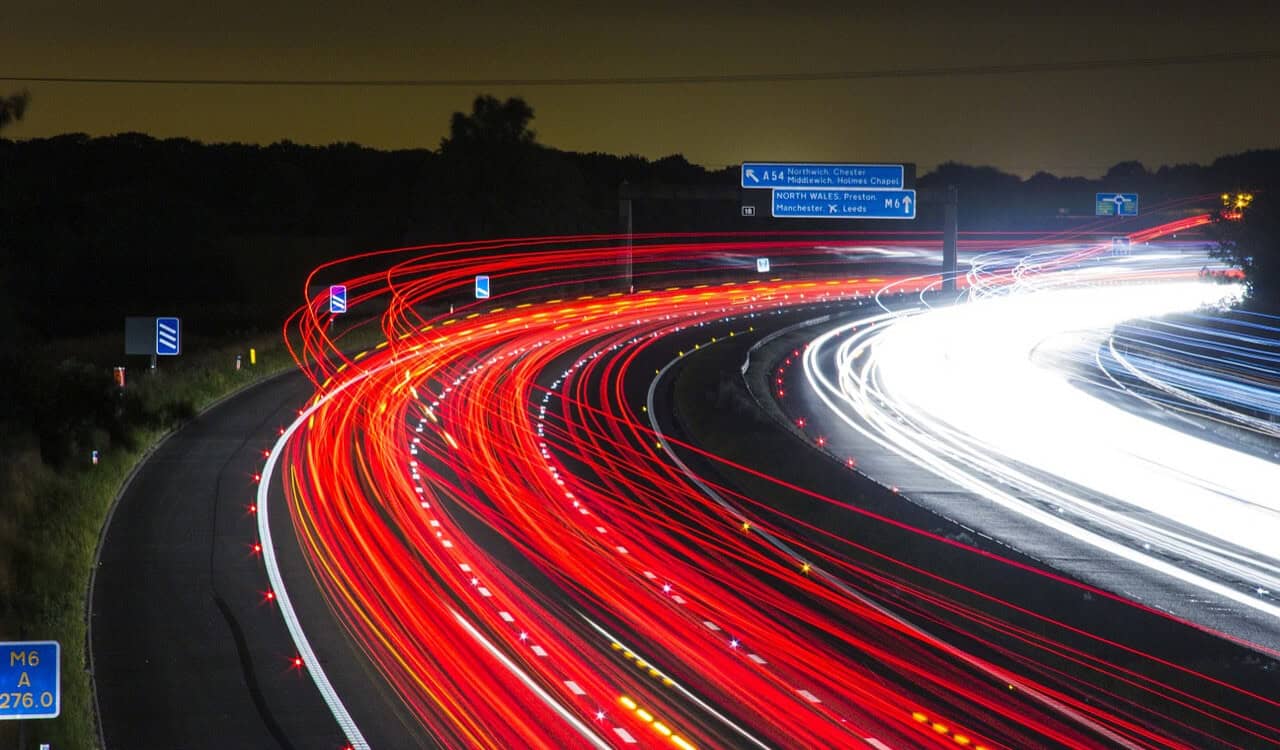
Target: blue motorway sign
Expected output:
[1115,204]
[168,337]
[337,299]
[482,287]
[846,176]
[30,680]
[844,204]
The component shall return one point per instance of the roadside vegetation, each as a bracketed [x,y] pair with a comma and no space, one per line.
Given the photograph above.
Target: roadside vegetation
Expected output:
[1248,235]
[54,499]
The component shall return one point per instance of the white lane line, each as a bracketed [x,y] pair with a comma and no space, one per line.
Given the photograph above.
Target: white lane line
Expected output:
[327,692]
[808,696]
[574,687]
[312,663]
[506,616]
[625,735]
[587,733]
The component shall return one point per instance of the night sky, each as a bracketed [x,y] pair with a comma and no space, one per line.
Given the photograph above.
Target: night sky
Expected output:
[1066,122]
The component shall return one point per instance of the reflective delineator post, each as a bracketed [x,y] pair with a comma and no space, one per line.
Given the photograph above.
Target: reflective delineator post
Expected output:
[253,356]
[93,456]
[118,374]
[237,363]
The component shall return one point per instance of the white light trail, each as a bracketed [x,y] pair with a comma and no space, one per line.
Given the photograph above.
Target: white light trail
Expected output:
[968,392]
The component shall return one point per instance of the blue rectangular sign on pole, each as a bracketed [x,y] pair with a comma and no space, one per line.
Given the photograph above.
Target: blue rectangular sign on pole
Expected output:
[168,337]
[482,287]
[30,680]
[1115,204]
[844,204]
[840,176]
[337,299]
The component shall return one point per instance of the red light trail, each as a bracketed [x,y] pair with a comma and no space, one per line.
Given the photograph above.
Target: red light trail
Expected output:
[487,509]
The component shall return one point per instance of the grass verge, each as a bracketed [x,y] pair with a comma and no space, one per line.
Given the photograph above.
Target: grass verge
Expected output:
[51,517]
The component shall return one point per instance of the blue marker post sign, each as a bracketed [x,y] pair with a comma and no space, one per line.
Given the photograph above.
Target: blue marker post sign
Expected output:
[482,287]
[844,204]
[838,176]
[1115,204]
[168,337]
[30,680]
[337,299]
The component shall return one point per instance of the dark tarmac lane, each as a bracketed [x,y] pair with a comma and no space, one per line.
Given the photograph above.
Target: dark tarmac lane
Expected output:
[186,652]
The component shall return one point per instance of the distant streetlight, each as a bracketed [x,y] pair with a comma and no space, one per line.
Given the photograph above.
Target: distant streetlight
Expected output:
[1234,204]
[1237,200]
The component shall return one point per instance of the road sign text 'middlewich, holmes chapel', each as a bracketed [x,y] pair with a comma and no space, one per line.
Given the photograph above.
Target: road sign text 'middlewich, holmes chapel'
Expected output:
[840,176]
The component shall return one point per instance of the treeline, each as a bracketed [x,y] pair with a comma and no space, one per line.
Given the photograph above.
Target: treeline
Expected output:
[1249,238]
[995,200]
[93,229]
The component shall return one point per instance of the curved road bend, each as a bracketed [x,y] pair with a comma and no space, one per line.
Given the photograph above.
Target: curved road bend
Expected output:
[187,651]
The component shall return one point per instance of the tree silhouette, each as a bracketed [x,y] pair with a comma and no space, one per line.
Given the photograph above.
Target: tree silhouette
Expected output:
[1252,241]
[491,125]
[13,107]
[1126,170]
[493,177]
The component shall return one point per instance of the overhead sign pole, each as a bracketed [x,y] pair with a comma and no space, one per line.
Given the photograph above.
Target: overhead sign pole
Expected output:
[628,260]
[950,238]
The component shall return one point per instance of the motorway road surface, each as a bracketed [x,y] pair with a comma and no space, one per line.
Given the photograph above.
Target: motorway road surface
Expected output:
[187,653]
[437,607]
